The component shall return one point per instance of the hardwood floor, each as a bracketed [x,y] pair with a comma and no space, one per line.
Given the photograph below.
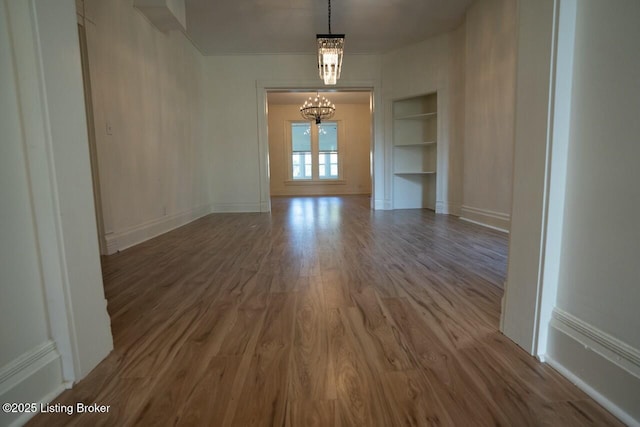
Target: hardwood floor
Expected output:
[324,313]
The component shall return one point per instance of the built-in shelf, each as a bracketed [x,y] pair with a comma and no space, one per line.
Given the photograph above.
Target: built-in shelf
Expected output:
[415,173]
[415,152]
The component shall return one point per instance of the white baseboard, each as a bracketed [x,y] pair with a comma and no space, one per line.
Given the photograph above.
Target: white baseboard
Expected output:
[34,377]
[604,367]
[236,207]
[490,219]
[132,236]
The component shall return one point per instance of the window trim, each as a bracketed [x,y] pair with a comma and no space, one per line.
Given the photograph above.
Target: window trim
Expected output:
[315,152]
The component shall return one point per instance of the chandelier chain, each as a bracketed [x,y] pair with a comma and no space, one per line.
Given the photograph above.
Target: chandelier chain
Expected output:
[329,16]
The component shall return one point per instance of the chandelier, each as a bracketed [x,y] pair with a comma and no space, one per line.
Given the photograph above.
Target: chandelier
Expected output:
[317,108]
[330,50]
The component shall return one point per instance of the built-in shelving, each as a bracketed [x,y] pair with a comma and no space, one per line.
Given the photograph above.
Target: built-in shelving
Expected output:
[415,149]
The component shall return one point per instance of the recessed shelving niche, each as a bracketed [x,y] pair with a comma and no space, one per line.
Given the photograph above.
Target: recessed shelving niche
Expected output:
[415,152]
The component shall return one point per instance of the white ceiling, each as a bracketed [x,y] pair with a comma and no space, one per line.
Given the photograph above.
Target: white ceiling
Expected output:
[297,98]
[290,26]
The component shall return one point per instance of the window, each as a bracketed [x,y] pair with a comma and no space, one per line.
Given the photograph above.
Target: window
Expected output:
[328,151]
[301,151]
[314,152]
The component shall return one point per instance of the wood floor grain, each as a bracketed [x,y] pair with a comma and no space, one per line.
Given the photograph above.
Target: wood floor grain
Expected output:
[322,313]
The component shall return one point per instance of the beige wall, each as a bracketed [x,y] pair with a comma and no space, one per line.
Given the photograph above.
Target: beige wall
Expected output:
[489,111]
[355,149]
[148,85]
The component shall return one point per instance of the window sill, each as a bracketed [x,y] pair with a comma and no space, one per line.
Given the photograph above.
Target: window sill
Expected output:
[315,182]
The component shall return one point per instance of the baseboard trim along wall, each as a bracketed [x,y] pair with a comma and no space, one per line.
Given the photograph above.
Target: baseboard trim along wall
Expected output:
[604,367]
[132,236]
[38,372]
[494,220]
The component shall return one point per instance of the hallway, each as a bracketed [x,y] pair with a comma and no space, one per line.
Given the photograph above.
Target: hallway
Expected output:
[324,313]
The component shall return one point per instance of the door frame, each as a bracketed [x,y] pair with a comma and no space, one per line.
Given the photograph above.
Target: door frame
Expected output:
[377,131]
[91,133]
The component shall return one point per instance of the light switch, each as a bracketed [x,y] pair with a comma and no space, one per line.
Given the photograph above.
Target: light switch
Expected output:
[109,128]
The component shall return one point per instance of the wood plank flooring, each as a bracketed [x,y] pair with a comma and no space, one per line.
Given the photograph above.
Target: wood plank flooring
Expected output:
[323,313]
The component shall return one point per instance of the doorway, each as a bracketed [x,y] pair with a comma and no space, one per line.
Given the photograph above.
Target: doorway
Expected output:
[377,163]
[333,157]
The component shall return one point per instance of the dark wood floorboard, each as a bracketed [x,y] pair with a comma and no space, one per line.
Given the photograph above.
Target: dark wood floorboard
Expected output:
[322,313]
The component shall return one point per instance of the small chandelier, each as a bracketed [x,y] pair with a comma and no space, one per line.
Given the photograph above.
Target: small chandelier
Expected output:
[317,108]
[330,51]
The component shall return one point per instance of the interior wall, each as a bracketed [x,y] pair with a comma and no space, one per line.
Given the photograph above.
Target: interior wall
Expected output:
[456,130]
[355,149]
[573,273]
[604,135]
[431,66]
[234,126]
[64,97]
[489,111]
[598,286]
[55,323]
[21,284]
[148,93]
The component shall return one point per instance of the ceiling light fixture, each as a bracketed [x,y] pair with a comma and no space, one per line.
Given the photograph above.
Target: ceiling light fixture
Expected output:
[317,108]
[330,50]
